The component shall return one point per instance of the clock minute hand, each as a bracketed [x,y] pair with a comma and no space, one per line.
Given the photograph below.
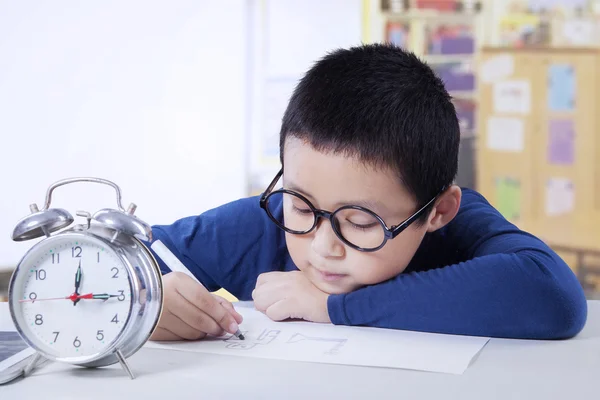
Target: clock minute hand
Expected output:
[77,282]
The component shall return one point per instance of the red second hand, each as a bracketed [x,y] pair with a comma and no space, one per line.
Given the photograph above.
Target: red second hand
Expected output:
[76,296]
[34,300]
[72,297]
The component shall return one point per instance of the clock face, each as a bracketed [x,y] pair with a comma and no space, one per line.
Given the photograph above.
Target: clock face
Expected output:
[72,296]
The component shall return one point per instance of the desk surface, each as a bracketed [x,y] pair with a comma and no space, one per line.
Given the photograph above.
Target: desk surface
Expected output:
[504,369]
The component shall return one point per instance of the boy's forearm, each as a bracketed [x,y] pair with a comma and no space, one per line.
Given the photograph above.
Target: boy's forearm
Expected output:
[530,294]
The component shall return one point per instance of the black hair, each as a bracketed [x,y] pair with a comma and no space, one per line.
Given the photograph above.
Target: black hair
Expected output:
[383,105]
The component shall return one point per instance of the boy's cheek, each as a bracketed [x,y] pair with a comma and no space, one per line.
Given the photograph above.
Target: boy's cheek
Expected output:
[298,248]
[375,275]
[372,269]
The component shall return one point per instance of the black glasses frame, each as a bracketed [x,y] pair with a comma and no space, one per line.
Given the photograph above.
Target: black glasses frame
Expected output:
[389,233]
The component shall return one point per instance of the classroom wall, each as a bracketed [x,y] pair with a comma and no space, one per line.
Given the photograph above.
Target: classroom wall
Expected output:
[150,94]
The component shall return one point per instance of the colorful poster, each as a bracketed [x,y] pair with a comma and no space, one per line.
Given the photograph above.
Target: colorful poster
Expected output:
[561,142]
[512,97]
[561,88]
[508,197]
[505,134]
[560,196]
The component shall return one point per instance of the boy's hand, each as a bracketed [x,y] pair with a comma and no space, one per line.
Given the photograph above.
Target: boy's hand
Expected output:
[282,295]
[191,312]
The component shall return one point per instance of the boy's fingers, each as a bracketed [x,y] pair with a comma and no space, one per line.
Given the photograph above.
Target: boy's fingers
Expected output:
[163,334]
[202,299]
[229,307]
[178,327]
[193,316]
[278,311]
[263,298]
[266,277]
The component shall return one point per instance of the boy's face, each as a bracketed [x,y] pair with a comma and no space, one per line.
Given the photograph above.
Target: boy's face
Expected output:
[329,181]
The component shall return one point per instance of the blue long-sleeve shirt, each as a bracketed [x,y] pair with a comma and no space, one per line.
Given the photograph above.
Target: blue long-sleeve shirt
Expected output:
[478,275]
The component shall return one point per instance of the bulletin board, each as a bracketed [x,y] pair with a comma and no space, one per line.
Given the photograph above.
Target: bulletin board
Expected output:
[538,154]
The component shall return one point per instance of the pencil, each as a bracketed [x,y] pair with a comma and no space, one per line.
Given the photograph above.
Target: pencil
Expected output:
[175,265]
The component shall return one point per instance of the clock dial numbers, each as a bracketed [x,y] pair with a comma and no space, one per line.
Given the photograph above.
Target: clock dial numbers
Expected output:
[64,272]
[40,275]
[76,251]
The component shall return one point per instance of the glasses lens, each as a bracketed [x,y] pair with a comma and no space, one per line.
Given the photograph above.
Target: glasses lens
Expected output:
[297,215]
[360,228]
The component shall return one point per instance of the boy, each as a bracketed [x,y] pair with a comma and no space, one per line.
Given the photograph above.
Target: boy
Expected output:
[369,228]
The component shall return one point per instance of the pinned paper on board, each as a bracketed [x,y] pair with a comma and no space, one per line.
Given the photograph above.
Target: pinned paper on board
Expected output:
[561,87]
[512,97]
[579,32]
[561,141]
[560,196]
[508,197]
[505,134]
[498,67]
[338,344]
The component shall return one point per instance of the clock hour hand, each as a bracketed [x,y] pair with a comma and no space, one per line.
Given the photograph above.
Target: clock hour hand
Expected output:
[103,296]
[92,296]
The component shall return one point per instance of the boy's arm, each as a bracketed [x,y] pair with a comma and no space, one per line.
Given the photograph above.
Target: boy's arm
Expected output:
[513,286]
[225,247]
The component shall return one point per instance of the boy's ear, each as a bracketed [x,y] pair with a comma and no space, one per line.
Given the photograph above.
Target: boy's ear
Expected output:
[445,209]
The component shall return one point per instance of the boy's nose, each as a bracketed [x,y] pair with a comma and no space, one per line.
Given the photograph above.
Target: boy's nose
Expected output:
[325,242]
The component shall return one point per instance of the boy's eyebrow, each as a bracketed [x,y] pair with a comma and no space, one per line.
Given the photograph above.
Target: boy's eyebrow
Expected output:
[373,205]
[292,186]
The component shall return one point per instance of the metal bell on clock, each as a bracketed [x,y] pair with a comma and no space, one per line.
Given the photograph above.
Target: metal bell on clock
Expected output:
[40,223]
[124,222]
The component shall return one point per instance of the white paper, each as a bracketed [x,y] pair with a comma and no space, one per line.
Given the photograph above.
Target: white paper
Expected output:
[560,196]
[512,97]
[496,68]
[579,32]
[505,134]
[335,344]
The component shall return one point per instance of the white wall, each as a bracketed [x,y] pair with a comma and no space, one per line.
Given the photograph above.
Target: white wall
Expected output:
[289,37]
[150,94]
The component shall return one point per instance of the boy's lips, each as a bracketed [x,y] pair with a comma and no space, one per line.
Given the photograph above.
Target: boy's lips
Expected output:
[329,276]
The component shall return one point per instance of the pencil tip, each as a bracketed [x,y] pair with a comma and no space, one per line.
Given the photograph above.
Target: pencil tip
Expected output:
[242,336]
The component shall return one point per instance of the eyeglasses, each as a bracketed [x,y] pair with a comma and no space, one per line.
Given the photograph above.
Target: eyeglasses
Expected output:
[356,226]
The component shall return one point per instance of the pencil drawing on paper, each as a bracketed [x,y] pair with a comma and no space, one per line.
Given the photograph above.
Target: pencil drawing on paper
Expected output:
[331,350]
[329,346]
[266,337]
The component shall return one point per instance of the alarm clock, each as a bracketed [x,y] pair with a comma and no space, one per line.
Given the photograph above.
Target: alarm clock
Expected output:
[88,294]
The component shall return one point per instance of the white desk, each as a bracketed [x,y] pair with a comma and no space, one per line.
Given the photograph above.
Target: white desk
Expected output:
[505,369]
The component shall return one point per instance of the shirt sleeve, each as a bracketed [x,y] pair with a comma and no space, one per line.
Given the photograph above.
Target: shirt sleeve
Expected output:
[226,247]
[512,285]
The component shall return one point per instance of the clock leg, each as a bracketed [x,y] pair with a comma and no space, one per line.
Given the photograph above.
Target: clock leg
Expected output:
[32,364]
[124,363]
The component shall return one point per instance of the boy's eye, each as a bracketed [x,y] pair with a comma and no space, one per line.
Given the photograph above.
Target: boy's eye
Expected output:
[363,226]
[302,210]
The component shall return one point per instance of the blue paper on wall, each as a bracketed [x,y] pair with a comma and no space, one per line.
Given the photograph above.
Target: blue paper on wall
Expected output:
[561,87]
